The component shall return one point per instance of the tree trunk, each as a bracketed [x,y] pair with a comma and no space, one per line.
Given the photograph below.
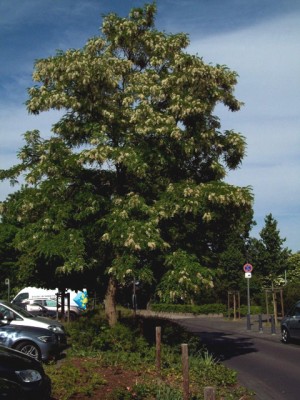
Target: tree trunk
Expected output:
[110,302]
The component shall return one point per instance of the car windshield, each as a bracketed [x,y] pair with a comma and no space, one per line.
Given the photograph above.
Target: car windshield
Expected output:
[20,310]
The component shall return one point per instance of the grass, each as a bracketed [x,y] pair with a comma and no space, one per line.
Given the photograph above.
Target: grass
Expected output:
[121,361]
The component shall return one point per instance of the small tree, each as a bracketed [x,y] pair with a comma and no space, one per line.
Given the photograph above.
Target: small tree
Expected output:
[134,170]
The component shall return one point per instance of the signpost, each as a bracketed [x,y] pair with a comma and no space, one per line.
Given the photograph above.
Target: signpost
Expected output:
[248,274]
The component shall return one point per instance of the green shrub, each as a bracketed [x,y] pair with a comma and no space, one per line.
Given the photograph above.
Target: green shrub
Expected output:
[129,345]
[193,309]
[118,338]
[254,310]
[68,379]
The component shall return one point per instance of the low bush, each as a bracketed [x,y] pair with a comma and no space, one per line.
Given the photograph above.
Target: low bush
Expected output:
[254,310]
[193,309]
[130,346]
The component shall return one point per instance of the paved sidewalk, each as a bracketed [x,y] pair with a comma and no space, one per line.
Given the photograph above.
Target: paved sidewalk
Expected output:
[263,330]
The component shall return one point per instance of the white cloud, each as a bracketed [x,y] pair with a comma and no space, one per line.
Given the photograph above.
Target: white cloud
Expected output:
[15,121]
[267,58]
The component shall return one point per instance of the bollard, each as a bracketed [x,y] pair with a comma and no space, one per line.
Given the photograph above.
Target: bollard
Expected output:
[273,330]
[260,327]
[248,322]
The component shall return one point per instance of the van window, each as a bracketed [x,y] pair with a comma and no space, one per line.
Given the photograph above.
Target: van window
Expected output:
[50,303]
[21,297]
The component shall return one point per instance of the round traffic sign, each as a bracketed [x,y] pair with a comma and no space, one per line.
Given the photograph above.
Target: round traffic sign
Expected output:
[247,267]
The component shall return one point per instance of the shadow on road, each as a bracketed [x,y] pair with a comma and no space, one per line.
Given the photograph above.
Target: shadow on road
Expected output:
[225,346]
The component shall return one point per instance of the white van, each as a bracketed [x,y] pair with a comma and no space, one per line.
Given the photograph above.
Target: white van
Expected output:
[29,297]
[34,293]
[30,293]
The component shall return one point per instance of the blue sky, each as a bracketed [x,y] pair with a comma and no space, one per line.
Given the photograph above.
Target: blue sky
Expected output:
[259,39]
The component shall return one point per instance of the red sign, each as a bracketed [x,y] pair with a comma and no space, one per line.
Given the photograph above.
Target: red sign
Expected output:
[247,267]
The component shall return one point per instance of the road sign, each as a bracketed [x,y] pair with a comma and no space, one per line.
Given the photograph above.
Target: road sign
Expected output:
[247,267]
[248,275]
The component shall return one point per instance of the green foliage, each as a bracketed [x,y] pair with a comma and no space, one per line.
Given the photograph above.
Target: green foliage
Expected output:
[268,256]
[131,347]
[291,294]
[165,392]
[70,379]
[8,257]
[293,268]
[212,373]
[133,174]
[120,337]
[184,279]
[147,391]
[254,310]
[194,309]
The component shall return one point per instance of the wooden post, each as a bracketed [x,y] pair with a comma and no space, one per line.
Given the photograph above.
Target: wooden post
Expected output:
[228,304]
[158,348]
[234,306]
[185,370]
[281,300]
[209,393]
[267,306]
[274,305]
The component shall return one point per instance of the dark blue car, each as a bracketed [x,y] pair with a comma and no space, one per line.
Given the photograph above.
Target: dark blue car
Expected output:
[290,324]
[22,377]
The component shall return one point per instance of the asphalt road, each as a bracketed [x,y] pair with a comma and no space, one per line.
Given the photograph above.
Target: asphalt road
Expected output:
[264,364]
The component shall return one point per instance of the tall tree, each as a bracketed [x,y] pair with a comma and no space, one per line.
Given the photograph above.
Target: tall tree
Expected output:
[133,176]
[268,254]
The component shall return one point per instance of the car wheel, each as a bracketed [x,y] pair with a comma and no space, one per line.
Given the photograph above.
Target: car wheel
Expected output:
[30,349]
[285,336]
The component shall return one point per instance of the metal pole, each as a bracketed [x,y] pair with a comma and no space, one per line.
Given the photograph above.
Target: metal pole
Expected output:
[234,307]
[248,302]
[260,323]
[273,330]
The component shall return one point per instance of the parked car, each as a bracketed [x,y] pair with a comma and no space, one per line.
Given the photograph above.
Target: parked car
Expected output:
[22,377]
[48,308]
[39,343]
[17,316]
[290,324]
[38,310]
